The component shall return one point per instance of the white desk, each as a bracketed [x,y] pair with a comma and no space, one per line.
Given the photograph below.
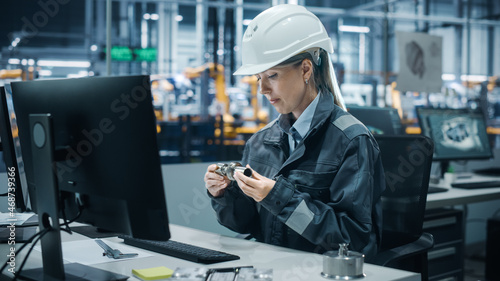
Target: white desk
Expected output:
[460,196]
[287,264]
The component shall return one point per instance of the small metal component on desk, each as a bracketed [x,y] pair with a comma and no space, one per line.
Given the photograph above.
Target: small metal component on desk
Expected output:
[343,264]
[113,253]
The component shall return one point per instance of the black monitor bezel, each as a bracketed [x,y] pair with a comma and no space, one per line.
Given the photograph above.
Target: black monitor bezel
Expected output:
[28,99]
[456,111]
[376,117]
[9,155]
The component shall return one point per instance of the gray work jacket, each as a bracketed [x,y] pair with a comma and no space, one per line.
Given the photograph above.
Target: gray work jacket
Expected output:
[327,191]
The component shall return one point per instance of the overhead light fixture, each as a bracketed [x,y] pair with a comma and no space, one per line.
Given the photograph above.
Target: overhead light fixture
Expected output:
[355,29]
[474,78]
[465,78]
[14,61]
[179,18]
[148,16]
[15,42]
[78,75]
[45,72]
[60,63]
[448,77]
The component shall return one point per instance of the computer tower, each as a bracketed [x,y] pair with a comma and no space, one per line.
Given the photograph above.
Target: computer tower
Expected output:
[492,249]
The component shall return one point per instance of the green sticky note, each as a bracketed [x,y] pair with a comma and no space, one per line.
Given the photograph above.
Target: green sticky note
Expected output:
[153,273]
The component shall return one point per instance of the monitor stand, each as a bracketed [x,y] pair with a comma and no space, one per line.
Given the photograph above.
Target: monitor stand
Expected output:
[73,271]
[445,165]
[42,146]
[454,175]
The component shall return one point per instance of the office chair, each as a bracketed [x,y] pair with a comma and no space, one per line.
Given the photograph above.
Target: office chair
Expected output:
[407,162]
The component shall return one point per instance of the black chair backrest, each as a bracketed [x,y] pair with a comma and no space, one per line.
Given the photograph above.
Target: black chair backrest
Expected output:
[407,163]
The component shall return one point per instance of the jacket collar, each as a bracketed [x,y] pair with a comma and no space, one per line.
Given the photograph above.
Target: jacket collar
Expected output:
[324,111]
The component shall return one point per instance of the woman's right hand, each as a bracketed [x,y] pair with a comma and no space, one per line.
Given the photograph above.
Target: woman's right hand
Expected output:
[215,183]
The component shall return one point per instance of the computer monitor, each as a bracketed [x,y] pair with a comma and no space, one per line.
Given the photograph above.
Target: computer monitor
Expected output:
[379,120]
[17,188]
[458,134]
[93,141]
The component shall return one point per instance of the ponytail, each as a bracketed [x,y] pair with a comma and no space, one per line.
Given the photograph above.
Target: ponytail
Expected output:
[325,80]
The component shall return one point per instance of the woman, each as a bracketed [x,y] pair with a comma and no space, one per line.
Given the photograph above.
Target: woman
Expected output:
[317,174]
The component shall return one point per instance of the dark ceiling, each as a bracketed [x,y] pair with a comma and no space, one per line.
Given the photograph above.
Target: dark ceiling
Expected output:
[34,20]
[48,21]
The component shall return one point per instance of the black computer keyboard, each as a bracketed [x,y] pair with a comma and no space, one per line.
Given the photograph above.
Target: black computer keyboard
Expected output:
[180,250]
[475,185]
[435,189]
[492,171]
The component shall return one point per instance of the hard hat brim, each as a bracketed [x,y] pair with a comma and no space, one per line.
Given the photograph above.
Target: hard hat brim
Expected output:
[254,69]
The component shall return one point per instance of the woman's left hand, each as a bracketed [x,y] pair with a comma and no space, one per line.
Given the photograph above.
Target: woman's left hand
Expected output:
[256,186]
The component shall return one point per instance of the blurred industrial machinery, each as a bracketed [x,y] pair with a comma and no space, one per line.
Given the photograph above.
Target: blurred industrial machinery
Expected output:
[200,119]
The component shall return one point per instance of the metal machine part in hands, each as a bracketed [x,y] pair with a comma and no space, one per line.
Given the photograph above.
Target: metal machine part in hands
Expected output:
[228,170]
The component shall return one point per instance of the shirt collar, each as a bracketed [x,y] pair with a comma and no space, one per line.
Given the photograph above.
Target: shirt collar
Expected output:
[303,123]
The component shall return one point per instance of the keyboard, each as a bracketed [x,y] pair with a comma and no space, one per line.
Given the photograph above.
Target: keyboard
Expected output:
[493,171]
[180,250]
[435,189]
[475,185]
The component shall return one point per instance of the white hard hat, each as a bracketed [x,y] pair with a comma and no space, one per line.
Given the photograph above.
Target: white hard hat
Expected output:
[279,33]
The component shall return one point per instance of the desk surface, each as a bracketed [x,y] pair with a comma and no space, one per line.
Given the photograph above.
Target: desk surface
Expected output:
[287,264]
[460,196]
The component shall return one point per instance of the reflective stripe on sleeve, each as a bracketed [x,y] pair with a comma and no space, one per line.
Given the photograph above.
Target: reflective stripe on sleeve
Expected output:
[300,218]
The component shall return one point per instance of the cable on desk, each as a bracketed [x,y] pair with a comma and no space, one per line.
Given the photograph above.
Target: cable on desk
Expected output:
[39,233]
[42,233]
[63,211]
[26,225]
[37,236]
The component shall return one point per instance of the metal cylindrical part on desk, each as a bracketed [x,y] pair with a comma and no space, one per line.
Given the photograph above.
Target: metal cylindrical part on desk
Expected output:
[343,264]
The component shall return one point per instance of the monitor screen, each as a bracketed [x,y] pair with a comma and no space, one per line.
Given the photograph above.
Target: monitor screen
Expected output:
[11,156]
[106,155]
[379,120]
[458,134]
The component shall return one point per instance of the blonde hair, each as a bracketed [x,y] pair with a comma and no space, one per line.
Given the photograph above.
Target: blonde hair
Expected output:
[324,78]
